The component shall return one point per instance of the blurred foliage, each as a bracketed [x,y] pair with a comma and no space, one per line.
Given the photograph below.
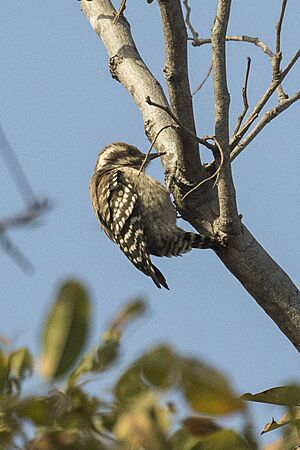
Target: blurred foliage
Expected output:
[138,415]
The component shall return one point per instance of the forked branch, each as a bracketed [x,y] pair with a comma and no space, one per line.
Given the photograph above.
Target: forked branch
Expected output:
[34,208]
[266,118]
[262,102]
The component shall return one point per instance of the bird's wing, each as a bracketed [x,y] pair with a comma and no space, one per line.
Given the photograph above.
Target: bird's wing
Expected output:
[120,217]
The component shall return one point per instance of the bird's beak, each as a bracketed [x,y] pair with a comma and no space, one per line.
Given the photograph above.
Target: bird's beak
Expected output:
[153,156]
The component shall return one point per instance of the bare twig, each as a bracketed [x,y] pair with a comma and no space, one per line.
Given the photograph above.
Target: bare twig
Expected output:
[248,39]
[204,81]
[12,250]
[188,20]
[279,26]
[278,55]
[261,103]
[215,174]
[245,99]
[26,217]
[152,145]
[120,11]
[16,170]
[202,141]
[266,118]
[34,209]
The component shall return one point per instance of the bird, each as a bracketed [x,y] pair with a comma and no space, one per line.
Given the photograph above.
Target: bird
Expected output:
[136,212]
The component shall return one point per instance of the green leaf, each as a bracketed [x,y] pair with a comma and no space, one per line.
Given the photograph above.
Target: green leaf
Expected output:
[206,390]
[65,440]
[20,363]
[223,440]
[130,385]
[37,410]
[4,371]
[183,440]
[99,360]
[193,432]
[281,395]
[66,329]
[103,356]
[129,312]
[160,367]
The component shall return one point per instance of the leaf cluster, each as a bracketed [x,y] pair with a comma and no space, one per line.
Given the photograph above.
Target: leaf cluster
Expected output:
[138,415]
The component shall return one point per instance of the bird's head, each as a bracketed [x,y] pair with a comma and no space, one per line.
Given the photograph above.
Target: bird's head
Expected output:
[120,154]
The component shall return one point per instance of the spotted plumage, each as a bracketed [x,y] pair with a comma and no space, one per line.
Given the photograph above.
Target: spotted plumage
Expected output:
[136,212]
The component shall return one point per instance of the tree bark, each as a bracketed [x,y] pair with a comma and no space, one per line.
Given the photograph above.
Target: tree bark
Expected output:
[244,257]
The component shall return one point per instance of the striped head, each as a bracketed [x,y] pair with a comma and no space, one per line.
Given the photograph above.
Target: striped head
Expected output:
[120,154]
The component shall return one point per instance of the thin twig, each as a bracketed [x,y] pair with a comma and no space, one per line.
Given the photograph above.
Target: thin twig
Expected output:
[188,20]
[279,26]
[263,100]
[12,250]
[26,217]
[278,55]
[248,39]
[33,210]
[245,99]
[215,174]
[204,81]
[120,11]
[16,170]
[176,120]
[152,145]
[266,118]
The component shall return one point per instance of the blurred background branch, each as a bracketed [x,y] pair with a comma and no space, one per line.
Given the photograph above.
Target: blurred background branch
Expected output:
[33,210]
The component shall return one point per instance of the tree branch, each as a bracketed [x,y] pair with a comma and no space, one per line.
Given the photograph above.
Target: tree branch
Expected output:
[266,282]
[26,217]
[248,39]
[197,41]
[263,100]
[245,98]
[266,118]
[195,34]
[176,75]
[127,67]
[203,81]
[226,192]
[202,141]
[15,253]
[278,55]
[35,208]
[245,258]
[120,11]
[16,170]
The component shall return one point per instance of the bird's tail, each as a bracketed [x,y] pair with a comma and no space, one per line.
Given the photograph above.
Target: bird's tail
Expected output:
[201,241]
[158,277]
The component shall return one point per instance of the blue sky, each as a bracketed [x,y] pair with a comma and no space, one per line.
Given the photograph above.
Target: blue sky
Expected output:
[59,107]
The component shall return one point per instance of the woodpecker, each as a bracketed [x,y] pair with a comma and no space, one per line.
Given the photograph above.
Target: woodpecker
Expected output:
[135,210]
